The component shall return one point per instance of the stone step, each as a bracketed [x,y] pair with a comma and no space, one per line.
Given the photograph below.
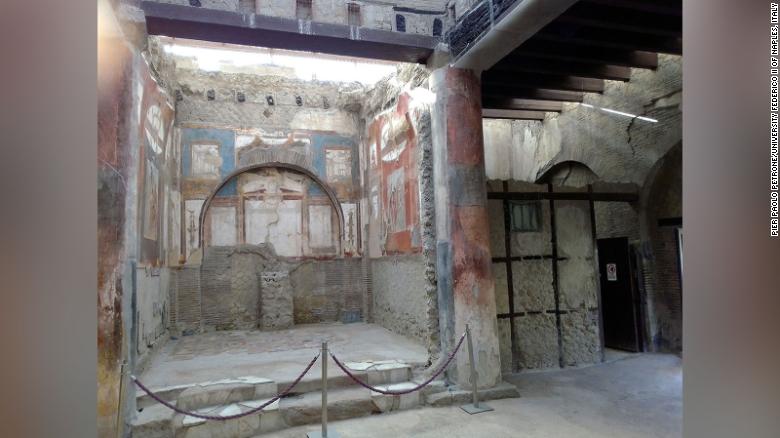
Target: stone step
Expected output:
[373,373]
[211,393]
[343,404]
[456,396]
[158,421]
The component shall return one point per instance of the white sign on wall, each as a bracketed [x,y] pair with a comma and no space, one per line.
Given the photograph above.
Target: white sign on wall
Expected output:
[611,272]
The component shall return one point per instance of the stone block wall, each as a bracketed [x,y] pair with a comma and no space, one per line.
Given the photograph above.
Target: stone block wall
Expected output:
[223,5]
[248,287]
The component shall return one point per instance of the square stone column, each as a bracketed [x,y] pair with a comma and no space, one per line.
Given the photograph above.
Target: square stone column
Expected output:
[465,281]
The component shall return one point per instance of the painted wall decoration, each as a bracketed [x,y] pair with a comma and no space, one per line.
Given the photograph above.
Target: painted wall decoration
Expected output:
[175,218]
[156,177]
[206,161]
[192,224]
[395,206]
[338,164]
[271,205]
[394,219]
[151,208]
[351,229]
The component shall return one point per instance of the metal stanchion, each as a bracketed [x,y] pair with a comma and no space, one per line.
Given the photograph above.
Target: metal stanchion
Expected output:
[476,407]
[324,433]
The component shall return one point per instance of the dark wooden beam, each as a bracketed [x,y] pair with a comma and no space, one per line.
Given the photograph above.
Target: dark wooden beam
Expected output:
[567,196]
[615,18]
[533,64]
[488,113]
[666,7]
[531,93]
[540,80]
[265,31]
[594,36]
[593,55]
[498,102]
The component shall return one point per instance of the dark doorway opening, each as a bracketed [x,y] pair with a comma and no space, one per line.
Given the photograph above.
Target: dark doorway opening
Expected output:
[620,304]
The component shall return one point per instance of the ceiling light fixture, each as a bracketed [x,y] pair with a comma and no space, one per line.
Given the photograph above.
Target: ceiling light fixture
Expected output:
[620,113]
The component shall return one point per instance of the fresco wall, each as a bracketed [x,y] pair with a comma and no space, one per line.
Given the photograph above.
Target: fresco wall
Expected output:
[392,182]
[158,210]
[115,67]
[394,164]
[271,205]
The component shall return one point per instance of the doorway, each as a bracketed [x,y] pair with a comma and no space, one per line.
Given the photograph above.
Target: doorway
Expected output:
[619,298]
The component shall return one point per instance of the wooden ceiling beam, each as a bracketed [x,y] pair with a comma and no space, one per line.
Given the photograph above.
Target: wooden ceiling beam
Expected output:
[531,93]
[497,102]
[531,64]
[540,80]
[592,55]
[593,36]
[488,113]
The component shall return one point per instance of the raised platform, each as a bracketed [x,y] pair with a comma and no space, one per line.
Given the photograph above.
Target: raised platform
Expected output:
[276,355]
[225,373]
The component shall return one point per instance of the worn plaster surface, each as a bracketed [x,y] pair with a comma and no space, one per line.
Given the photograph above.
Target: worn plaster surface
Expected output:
[279,355]
[399,295]
[466,285]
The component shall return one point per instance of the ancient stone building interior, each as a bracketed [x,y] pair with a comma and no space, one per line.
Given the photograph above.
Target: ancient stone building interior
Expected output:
[379,175]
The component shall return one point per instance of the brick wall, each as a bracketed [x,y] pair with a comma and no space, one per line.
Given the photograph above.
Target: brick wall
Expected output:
[229,292]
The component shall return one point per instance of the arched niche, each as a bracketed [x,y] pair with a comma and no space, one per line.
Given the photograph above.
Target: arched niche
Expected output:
[330,194]
[568,173]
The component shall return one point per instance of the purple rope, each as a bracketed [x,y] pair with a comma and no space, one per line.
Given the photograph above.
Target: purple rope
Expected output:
[408,391]
[229,417]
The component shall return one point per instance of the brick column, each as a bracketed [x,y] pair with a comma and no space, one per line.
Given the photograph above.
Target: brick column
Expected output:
[463,264]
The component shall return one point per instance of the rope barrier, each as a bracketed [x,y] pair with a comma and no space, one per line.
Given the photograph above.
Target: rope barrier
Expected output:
[297,380]
[227,417]
[408,391]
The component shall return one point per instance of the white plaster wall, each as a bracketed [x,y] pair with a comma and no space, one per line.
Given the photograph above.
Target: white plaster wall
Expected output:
[276,8]
[277,222]
[320,226]
[224,5]
[152,307]
[223,226]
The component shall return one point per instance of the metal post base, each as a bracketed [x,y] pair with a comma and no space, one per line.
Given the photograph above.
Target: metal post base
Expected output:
[318,434]
[471,409]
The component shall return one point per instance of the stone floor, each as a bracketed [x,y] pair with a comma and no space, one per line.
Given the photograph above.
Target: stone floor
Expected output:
[278,355]
[630,396]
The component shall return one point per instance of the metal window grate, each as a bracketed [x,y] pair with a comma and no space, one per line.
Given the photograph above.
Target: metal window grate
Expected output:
[526,216]
[303,9]
[400,23]
[353,14]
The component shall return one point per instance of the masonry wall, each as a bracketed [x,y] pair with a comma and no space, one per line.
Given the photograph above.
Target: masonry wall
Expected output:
[662,200]
[418,16]
[230,121]
[397,135]
[138,190]
[115,67]
[618,151]
[159,216]
[539,323]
